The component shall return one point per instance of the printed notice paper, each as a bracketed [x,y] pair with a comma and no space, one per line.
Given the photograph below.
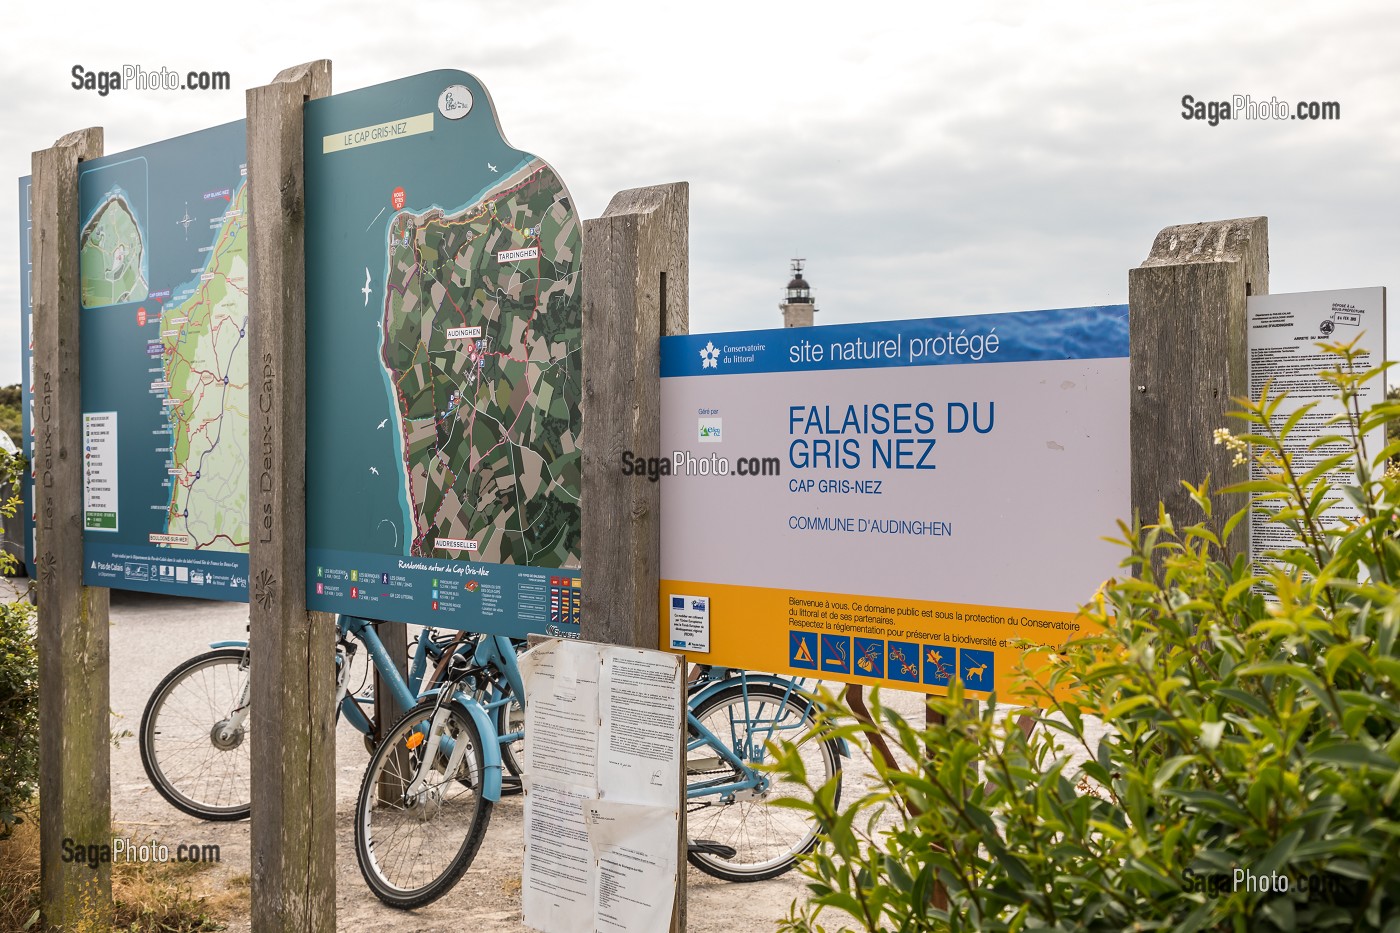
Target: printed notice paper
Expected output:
[635,849]
[557,885]
[1284,333]
[603,750]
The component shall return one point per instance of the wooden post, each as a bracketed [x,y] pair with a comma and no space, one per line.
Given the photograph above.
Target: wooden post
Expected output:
[387,711]
[636,289]
[1188,332]
[74,685]
[293,671]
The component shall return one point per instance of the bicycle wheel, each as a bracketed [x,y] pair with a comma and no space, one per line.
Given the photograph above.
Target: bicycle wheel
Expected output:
[192,758]
[412,848]
[764,840]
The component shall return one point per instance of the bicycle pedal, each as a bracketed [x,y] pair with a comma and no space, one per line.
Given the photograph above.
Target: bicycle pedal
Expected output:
[710,847]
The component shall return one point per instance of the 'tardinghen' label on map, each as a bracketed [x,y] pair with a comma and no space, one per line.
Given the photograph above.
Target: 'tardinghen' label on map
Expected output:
[518,255]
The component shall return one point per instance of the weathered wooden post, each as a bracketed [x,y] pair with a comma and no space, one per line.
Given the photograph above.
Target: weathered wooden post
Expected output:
[293,670]
[387,712]
[636,290]
[1188,332]
[74,683]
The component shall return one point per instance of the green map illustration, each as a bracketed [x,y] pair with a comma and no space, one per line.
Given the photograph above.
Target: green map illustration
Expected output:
[110,264]
[205,351]
[482,309]
[163,272]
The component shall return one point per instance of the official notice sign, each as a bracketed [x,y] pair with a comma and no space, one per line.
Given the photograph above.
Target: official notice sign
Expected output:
[603,752]
[1284,353]
[893,502]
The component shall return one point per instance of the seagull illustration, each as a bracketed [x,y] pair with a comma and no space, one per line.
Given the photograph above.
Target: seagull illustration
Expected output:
[366,288]
[493,168]
[374,470]
[381,424]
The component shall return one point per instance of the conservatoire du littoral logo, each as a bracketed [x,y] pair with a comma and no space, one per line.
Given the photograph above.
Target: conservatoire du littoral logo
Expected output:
[709,356]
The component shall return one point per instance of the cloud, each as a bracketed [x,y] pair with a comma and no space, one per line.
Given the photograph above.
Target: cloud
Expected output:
[923,158]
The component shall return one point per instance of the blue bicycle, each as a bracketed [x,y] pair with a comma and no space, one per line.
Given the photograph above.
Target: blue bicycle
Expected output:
[413,839]
[194,730]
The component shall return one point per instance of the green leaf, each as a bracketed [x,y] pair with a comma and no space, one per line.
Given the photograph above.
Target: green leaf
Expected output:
[1279,855]
[1352,754]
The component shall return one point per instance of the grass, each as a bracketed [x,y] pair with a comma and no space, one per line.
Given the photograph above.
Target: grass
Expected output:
[149,897]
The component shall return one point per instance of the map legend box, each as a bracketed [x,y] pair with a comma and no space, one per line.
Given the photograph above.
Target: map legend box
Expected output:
[100,470]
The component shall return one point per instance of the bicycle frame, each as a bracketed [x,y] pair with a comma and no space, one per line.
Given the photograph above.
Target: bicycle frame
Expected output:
[363,629]
[758,730]
[405,695]
[495,652]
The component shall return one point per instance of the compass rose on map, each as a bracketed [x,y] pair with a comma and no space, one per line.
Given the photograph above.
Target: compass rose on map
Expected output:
[186,220]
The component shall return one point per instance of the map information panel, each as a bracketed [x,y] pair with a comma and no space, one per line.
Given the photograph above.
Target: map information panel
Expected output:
[443,365]
[163,266]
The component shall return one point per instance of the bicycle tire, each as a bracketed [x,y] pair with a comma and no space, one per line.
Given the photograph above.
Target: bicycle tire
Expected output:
[217,786]
[381,852]
[766,841]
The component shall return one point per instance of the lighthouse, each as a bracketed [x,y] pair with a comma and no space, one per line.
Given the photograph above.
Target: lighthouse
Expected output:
[797,306]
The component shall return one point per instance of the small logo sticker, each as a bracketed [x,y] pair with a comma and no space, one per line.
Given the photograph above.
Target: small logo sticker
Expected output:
[711,430]
[455,102]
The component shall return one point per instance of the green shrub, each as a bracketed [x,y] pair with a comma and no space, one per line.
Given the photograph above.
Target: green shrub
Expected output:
[19,680]
[19,711]
[1245,733]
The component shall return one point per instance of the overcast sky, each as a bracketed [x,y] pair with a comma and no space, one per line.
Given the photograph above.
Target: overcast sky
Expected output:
[925,159]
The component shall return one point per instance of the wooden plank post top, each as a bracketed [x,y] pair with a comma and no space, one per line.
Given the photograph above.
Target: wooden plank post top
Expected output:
[293,677]
[1188,336]
[74,682]
[636,289]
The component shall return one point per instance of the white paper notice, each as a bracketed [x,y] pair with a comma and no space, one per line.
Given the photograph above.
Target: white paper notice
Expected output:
[557,887]
[639,740]
[1284,331]
[601,722]
[634,848]
[561,717]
